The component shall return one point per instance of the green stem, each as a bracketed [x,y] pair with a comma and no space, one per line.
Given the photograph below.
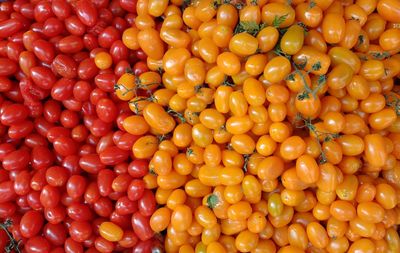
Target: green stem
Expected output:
[318,134]
[177,114]
[13,244]
[393,102]
[246,161]
[307,89]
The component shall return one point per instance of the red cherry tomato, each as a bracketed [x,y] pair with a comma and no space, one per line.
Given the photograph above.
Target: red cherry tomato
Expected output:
[147,203]
[86,12]
[75,186]
[43,50]
[55,233]
[37,244]
[141,226]
[31,223]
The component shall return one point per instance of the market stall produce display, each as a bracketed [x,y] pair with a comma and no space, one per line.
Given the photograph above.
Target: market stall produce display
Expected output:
[204,126]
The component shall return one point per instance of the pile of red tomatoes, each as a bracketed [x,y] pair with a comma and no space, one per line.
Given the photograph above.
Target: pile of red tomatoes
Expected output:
[67,180]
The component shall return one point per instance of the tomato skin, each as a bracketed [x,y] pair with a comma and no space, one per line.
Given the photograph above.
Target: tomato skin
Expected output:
[21,130]
[373,103]
[205,217]
[157,8]
[49,196]
[333,28]
[79,212]
[292,40]
[389,9]
[9,27]
[141,226]
[110,231]
[382,119]
[271,10]
[37,244]
[9,67]
[65,146]
[7,191]
[389,39]
[375,152]
[76,185]
[16,160]
[355,102]
[91,163]
[135,189]
[277,69]
[86,12]
[147,203]
[65,66]
[71,246]
[61,9]
[129,239]
[7,209]
[87,69]
[267,38]
[27,60]
[103,207]
[243,44]
[44,50]
[55,215]
[157,118]
[55,233]
[149,40]
[385,195]
[317,235]
[14,113]
[307,169]
[125,206]
[312,56]
[228,63]
[43,77]
[62,89]
[138,168]
[104,181]
[343,55]
[31,223]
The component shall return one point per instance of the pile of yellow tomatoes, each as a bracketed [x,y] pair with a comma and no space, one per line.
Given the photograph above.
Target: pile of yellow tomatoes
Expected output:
[270,125]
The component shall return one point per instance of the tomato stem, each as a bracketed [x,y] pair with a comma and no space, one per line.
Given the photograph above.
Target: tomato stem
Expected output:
[185,4]
[176,114]
[152,172]
[162,137]
[311,5]
[393,102]
[307,90]
[379,55]
[129,71]
[327,136]
[189,152]
[117,87]
[228,82]
[136,105]
[246,161]
[13,244]
[160,70]
[212,201]
[249,27]
[278,20]
[253,2]
[278,50]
